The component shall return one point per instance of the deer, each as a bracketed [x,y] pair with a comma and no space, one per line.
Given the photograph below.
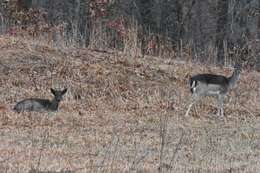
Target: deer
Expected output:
[202,85]
[39,105]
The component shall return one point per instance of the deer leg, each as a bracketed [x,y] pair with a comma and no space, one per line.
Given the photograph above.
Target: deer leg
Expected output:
[188,110]
[221,105]
[196,110]
[193,100]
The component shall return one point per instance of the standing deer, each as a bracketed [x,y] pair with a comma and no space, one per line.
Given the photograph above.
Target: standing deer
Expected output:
[202,85]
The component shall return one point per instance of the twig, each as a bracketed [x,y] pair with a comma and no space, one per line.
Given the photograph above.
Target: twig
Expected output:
[42,147]
[178,147]
[115,150]
[108,151]
[163,131]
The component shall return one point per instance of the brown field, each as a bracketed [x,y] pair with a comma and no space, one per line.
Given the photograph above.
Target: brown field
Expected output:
[121,114]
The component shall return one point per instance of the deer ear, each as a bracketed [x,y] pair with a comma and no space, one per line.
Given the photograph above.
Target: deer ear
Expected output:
[53,91]
[64,91]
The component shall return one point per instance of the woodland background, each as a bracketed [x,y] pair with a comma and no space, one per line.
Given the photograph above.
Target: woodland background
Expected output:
[216,31]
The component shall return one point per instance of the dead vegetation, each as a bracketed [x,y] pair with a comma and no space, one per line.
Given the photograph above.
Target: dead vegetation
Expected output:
[121,114]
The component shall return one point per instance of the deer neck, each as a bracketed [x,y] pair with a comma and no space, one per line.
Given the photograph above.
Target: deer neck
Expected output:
[234,78]
[54,104]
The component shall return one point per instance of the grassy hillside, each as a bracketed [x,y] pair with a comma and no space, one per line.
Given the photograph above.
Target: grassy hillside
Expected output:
[121,114]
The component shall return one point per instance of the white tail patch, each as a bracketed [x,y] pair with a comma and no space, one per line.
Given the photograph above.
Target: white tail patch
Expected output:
[193,84]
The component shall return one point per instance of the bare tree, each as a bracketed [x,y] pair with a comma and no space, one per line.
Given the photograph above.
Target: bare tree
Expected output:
[221,32]
[24,4]
[258,36]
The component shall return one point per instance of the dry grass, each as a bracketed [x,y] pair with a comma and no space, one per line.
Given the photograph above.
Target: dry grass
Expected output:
[120,115]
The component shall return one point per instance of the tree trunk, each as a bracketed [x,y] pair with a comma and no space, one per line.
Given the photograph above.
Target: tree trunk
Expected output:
[24,4]
[258,36]
[258,23]
[179,16]
[222,20]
